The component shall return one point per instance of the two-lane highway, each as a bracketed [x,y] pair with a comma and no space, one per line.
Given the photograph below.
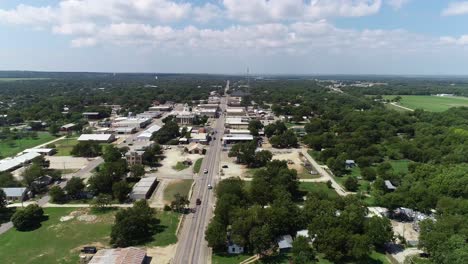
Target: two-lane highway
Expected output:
[192,247]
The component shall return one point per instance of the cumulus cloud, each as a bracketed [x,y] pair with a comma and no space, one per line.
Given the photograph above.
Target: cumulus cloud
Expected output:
[83,42]
[456,8]
[461,41]
[397,4]
[287,10]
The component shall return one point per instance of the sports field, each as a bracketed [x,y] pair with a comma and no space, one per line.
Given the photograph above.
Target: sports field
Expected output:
[430,103]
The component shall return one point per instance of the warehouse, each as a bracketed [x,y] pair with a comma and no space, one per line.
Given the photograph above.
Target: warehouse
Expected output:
[146,135]
[233,139]
[133,122]
[10,164]
[101,138]
[144,188]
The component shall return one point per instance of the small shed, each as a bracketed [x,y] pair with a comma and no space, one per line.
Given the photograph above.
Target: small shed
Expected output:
[233,248]
[285,243]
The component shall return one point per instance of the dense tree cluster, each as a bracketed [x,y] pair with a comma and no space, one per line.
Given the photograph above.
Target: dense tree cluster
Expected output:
[87,149]
[280,136]
[246,153]
[28,218]
[168,132]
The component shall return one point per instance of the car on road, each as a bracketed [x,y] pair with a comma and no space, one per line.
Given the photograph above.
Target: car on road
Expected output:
[210,187]
[205,171]
[198,202]
[225,166]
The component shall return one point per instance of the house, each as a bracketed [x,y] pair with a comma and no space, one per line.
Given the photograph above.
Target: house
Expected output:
[233,248]
[13,194]
[134,157]
[195,148]
[389,185]
[144,188]
[67,128]
[100,138]
[130,255]
[350,164]
[285,243]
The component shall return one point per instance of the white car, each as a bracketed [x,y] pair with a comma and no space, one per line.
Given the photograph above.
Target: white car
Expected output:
[210,187]
[205,171]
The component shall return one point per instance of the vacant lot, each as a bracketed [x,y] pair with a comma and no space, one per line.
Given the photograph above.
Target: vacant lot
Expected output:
[65,146]
[318,187]
[12,147]
[60,242]
[430,103]
[181,187]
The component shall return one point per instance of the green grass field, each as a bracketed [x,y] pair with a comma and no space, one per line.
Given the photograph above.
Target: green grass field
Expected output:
[11,148]
[65,146]
[60,242]
[219,258]
[197,165]
[317,187]
[180,166]
[430,103]
[400,166]
[182,187]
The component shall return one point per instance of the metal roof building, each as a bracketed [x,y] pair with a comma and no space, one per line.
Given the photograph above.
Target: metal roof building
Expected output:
[130,255]
[9,164]
[97,137]
[144,188]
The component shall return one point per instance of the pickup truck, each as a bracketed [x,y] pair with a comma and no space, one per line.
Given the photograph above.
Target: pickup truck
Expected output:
[198,202]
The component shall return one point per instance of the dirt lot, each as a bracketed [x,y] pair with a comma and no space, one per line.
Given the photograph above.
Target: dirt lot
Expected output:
[406,230]
[161,255]
[172,156]
[65,162]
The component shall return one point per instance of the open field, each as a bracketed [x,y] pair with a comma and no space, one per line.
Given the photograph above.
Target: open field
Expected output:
[11,148]
[65,146]
[60,242]
[430,103]
[318,187]
[180,186]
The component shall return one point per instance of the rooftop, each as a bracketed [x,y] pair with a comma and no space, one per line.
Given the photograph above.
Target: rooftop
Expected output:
[14,192]
[95,137]
[129,255]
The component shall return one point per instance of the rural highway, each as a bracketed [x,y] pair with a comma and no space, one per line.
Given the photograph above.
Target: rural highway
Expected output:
[192,247]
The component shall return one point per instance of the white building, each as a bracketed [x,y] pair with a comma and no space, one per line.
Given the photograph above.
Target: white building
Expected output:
[101,138]
[233,139]
[10,164]
[146,135]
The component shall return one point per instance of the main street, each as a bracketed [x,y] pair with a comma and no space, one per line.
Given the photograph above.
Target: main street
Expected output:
[192,246]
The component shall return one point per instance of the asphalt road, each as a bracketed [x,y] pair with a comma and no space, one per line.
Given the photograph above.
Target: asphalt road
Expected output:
[192,246]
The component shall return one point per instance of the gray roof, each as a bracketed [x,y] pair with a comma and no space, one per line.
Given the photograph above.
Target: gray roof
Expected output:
[14,192]
[389,185]
[285,242]
[12,163]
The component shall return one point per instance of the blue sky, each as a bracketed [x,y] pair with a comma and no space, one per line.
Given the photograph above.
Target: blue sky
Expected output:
[427,37]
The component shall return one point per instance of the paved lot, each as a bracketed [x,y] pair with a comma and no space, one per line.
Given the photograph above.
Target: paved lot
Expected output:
[66,162]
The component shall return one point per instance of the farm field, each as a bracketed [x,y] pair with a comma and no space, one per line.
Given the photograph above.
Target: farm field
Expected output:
[11,148]
[430,103]
[60,242]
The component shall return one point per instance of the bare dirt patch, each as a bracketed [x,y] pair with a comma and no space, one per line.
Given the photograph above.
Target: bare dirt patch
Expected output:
[161,255]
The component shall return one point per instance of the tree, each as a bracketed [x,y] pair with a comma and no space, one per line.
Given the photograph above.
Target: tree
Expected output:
[57,194]
[121,190]
[3,201]
[54,129]
[302,251]
[101,201]
[351,184]
[111,154]
[28,218]
[255,126]
[87,149]
[262,158]
[368,174]
[134,225]
[8,180]
[179,203]
[169,131]
[152,155]
[31,173]
[137,171]
[74,187]
[216,235]
[379,230]
[261,239]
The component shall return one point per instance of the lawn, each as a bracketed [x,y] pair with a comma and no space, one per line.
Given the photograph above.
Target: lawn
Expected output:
[181,186]
[400,166]
[430,103]
[180,166]
[11,148]
[307,175]
[318,187]
[220,258]
[354,172]
[60,242]
[197,166]
[65,146]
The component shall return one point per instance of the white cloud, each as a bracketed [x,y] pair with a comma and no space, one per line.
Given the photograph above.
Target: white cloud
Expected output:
[293,10]
[461,41]
[28,15]
[207,13]
[83,42]
[456,8]
[75,29]
[397,4]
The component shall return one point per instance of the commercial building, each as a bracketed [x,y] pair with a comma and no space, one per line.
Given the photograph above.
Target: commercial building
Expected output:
[233,139]
[133,122]
[91,115]
[124,130]
[144,188]
[42,151]
[208,112]
[162,108]
[130,255]
[146,135]
[14,194]
[237,123]
[10,164]
[149,114]
[134,157]
[185,117]
[195,148]
[101,138]
[201,138]
[208,106]
[235,111]
[239,131]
